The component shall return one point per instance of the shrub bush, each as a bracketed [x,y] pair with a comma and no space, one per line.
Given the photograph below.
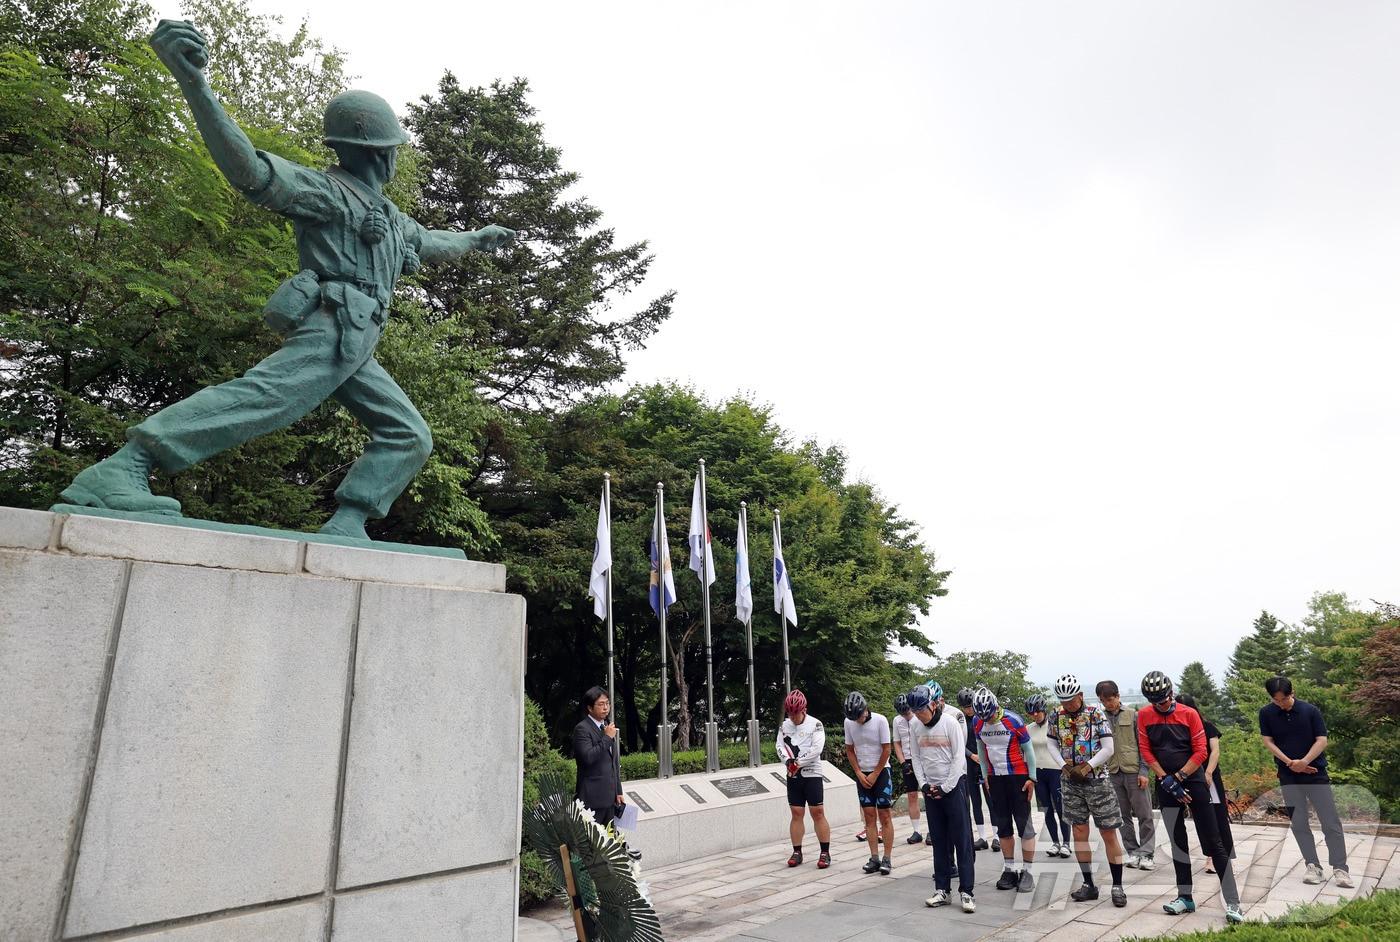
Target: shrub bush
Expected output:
[1246,764]
[536,884]
[643,765]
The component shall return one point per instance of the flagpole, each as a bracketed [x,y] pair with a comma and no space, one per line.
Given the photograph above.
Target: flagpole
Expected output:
[612,700]
[706,565]
[607,509]
[754,755]
[782,615]
[663,728]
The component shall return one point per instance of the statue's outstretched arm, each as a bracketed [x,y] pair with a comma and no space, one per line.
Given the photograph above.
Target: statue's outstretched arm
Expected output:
[183,50]
[439,245]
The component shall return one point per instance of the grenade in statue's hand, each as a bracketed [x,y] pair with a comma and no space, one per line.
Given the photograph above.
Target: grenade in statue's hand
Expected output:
[411,261]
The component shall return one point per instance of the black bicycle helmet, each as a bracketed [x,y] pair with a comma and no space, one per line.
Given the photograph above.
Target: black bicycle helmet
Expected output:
[1156,687]
[856,705]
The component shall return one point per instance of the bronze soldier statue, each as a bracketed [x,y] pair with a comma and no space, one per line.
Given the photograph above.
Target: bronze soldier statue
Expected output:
[353,244]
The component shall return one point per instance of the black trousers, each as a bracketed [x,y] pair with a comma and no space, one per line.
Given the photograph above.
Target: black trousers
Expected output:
[1207,832]
[973,784]
[952,836]
[1300,791]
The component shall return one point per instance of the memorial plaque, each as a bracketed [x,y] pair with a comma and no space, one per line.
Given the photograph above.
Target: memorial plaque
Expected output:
[741,786]
[693,794]
[640,802]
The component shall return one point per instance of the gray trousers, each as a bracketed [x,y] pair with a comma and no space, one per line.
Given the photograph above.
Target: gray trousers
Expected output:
[1135,803]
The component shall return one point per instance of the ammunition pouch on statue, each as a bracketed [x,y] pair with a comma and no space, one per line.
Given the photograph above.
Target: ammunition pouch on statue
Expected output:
[293,301]
[354,310]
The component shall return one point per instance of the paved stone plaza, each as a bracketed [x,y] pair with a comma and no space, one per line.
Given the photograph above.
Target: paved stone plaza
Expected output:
[751,896]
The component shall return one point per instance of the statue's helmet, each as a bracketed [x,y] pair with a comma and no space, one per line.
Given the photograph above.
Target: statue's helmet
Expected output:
[362,118]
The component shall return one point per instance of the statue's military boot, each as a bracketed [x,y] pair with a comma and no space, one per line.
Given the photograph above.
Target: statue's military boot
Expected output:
[347,521]
[121,482]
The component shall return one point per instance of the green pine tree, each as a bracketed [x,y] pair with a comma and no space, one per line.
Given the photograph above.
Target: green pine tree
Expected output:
[1196,681]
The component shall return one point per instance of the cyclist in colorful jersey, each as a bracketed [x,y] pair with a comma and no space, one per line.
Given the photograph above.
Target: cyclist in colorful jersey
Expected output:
[1085,739]
[903,754]
[801,738]
[1172,741]
[975,785]
[940,767]
[1004,748]
[1047,776]
[868,751]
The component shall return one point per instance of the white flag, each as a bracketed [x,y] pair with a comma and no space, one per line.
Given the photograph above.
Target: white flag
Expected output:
[743,588]
[701,553]
[782,584]
[602,561]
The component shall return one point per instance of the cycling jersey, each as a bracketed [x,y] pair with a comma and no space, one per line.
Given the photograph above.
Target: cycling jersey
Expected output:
[1171,739]
[808,740]
[1004,744]
[1086,736]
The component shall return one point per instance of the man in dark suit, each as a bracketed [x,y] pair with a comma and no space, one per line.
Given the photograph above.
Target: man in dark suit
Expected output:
[599,784]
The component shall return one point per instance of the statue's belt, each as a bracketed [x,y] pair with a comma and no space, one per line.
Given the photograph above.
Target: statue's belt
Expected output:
[356,305]
[353,302]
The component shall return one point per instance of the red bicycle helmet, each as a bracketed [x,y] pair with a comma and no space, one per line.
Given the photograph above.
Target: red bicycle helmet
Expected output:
[796,702]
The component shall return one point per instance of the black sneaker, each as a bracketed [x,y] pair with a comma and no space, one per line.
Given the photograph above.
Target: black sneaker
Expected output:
[996,843]
[871,865]
[1027,882]
[1120,897]
[1085,893]
[979,844]
[915,838]
[885,866]
[1008,880]
[928,839]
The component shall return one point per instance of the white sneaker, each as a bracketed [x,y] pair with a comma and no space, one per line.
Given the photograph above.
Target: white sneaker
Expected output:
[1132,861]
[939,898]
[1342,878]
[1314,875]
[969,905]
[1145,863]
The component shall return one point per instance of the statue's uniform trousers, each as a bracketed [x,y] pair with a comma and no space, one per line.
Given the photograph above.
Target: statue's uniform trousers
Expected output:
[287,385]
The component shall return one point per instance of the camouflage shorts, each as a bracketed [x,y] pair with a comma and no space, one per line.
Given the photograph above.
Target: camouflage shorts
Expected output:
[1094,797]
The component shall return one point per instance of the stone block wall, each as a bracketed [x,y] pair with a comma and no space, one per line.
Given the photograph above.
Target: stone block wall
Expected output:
[216,736]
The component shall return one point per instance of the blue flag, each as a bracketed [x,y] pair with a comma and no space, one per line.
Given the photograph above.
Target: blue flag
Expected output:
[661,578]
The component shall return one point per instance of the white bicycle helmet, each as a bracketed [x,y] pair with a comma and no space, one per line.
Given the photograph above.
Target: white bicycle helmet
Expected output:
[1067,687]
[984,703]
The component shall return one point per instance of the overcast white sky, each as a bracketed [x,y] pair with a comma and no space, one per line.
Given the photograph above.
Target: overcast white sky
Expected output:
[1103,295]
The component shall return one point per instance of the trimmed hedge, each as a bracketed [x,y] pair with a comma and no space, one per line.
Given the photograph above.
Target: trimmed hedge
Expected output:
[1360,920]
[536,883]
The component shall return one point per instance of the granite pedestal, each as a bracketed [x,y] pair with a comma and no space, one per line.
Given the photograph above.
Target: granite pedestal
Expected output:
[226,736]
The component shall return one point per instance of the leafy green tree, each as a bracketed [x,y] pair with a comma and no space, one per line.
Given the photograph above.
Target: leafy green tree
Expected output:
[1196,681]
[1002,672]
[267,81]
[860,574]
[125,283]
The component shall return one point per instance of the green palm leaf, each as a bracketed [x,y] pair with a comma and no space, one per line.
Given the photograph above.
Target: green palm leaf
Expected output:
[615,905]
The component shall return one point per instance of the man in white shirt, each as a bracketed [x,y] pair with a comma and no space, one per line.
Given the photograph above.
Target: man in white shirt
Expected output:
[868,751]
[939,744]
[904,756]
[801,739]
